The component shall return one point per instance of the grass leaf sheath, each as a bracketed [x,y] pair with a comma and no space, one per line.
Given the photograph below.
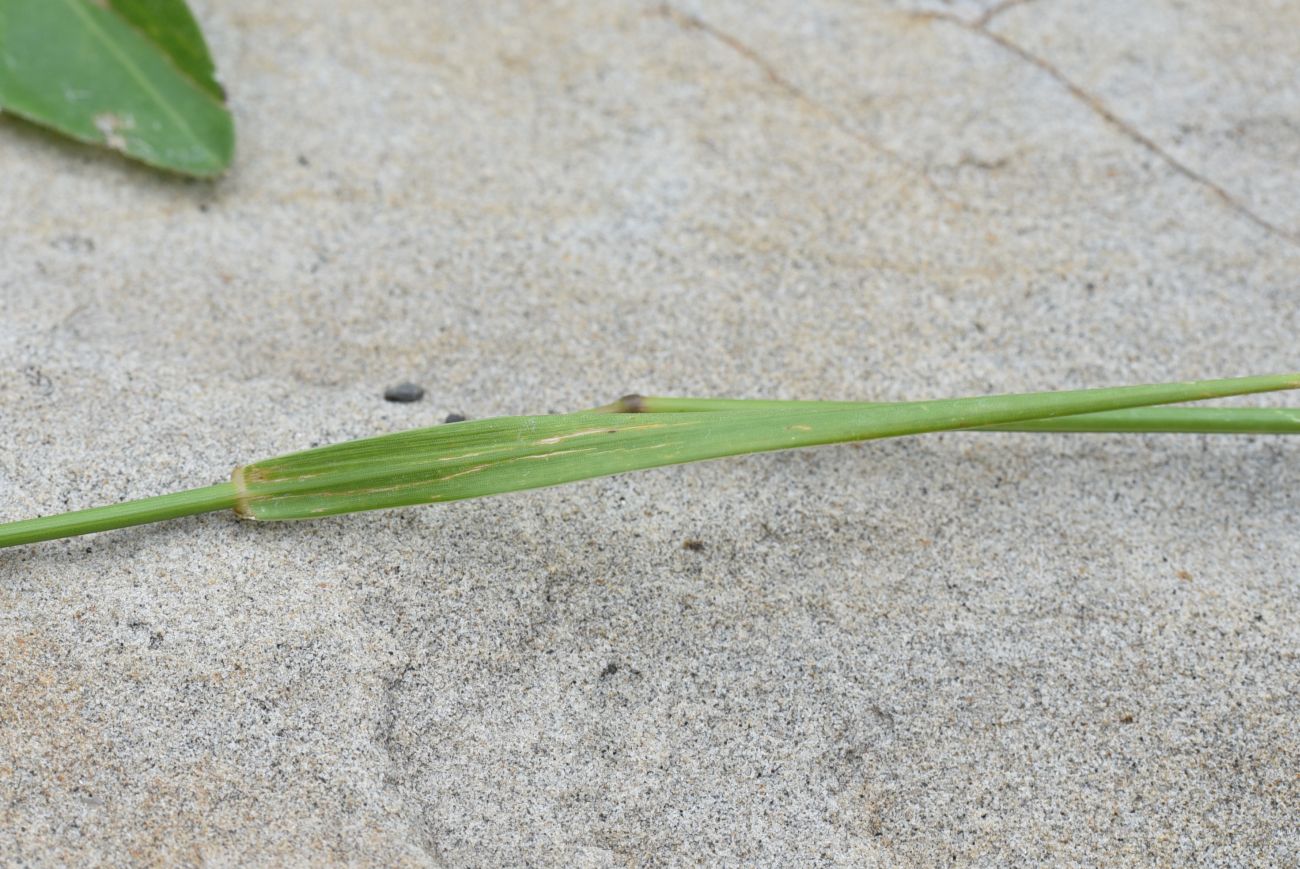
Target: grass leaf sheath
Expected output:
[506,454]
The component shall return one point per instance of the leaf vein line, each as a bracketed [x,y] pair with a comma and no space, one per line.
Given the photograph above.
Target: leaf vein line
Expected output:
[143,81]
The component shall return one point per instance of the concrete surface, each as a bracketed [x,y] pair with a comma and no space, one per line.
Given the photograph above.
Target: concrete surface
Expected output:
[1000,649]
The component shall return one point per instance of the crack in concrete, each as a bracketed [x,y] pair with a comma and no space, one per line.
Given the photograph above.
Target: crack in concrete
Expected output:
[688,21]
[391,686]
[1099,108]
[398,758]
[997,9]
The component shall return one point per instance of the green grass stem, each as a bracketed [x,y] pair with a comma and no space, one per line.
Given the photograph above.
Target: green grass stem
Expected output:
[506,454]
[124,515]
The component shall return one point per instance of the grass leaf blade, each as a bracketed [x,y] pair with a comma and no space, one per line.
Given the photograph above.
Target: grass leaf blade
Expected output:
[1178,420]
[506,454]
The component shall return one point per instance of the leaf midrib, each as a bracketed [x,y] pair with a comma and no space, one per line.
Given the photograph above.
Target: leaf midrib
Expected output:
[143,81]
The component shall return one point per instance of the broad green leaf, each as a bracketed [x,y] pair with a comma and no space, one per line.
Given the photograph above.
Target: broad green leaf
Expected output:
[171,27]
[81,69]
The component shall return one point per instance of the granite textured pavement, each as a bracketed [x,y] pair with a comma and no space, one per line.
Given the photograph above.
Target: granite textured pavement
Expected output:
[984,649]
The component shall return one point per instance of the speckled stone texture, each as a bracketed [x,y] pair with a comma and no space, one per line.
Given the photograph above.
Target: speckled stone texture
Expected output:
[981,649]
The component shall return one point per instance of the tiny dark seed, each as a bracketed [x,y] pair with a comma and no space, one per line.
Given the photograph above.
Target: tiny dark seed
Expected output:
[455,417]
[404,392]
[303,161]
[693,545]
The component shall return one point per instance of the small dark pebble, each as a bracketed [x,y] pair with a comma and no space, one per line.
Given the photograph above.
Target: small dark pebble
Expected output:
[455,417]
[610,669]
[404,392]
[693,545]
